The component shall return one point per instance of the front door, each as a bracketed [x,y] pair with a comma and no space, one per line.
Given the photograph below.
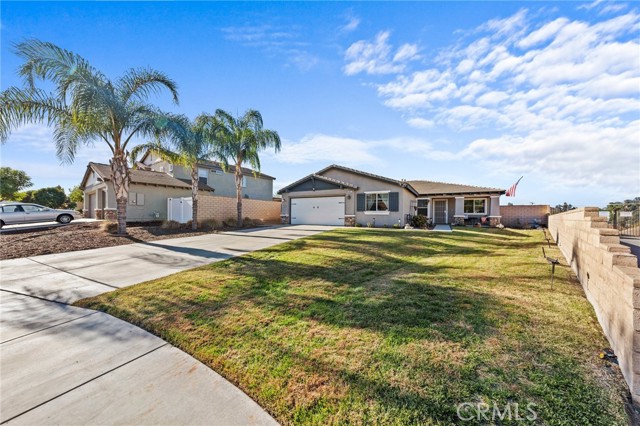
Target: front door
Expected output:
[440,211]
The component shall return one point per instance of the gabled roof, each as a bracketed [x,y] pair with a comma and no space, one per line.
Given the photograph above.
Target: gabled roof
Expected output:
[318,177]
[142,177]
[401,183]
[201,186]
[232,169]
[427,187]
[218,165]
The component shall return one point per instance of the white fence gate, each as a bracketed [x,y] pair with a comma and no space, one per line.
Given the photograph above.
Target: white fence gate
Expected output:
[180,209]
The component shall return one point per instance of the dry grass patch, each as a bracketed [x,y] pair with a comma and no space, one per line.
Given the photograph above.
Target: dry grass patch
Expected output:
[389,327]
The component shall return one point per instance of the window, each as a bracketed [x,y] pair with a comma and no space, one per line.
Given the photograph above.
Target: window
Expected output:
[136,199]
[422,207]
[12,209]
[377,202]
[203,176]
[244,181]
[475,206]
[30,208]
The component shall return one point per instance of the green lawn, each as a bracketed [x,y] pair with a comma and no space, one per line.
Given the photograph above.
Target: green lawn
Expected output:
[361,326]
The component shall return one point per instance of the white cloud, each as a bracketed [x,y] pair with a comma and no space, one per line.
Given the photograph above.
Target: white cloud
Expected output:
[327,149]
[559,97]
[274,41]
[420,123]
[37,137]
[543,34]
[376,57]
[352,24]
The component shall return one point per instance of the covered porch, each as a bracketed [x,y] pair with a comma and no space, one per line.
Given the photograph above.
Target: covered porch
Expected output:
[470,210]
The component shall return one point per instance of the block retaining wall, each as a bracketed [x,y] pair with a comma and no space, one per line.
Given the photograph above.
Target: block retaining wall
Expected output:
[521,215]
[610,277]
[222,208]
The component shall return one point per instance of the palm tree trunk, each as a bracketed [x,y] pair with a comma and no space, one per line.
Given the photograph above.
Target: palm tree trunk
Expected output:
[239,194]
[120,174]
[194,197]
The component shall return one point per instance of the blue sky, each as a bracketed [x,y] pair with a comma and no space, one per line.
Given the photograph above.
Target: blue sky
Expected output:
[466,92]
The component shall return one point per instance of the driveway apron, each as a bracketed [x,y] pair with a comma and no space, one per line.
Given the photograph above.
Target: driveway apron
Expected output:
[66,365]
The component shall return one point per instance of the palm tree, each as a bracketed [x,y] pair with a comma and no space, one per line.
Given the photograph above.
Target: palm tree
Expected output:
[241,139]
[189,144]
[85,107]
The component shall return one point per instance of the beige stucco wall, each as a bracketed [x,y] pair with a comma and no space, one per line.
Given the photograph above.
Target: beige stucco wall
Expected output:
[365,184]
[155,201]
[610,278]
[222,208]
[526,214]
[223,183]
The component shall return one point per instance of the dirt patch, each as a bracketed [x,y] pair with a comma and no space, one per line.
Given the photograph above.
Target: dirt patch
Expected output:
[83,237]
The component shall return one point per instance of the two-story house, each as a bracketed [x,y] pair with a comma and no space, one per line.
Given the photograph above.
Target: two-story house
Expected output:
[154,180]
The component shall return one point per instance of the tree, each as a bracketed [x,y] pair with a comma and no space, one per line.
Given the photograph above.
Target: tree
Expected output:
[189,144]
[565,207]
[53,197]
[240,140]
[85,107]
[12,181]
[75,196]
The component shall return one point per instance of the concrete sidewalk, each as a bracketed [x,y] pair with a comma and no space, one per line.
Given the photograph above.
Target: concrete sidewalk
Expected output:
[66,365]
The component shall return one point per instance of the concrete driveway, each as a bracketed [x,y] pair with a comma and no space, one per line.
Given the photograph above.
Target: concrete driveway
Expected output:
[66,365]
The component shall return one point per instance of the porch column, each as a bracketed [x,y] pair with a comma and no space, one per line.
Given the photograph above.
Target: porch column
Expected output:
[494,212]
[429,208]
[458,217]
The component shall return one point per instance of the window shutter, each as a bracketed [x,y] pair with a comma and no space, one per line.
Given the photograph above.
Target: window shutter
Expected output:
[140,199]
[360,203]
[394,201]
[132,198]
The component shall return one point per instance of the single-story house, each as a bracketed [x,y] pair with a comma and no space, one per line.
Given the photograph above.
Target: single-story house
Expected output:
[338,195]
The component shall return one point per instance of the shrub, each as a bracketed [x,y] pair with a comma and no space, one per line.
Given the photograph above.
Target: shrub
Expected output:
[170,224]
[358,225]
[396,226]
[247,221]
[109,226]
[419,221]
[209,224]
[369,225]
[230,222]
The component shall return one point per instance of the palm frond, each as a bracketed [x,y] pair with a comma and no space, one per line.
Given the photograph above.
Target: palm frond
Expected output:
[140,83]
[47,61]
[20,107]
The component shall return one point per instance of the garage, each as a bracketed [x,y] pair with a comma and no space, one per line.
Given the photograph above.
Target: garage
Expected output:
[317,211]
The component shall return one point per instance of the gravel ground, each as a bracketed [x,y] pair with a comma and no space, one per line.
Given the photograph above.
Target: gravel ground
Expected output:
[81,236]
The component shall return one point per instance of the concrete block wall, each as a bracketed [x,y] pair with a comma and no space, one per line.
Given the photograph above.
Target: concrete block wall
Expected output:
[222,208]
[610,277]
[526,214]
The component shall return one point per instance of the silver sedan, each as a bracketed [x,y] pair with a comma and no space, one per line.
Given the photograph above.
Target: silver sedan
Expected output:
[13,213]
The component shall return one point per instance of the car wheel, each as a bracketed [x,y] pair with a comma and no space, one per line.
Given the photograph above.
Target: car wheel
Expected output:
[1,224]
[64,218]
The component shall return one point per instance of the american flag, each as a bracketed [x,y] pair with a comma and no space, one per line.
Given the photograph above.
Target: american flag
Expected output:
[511,192]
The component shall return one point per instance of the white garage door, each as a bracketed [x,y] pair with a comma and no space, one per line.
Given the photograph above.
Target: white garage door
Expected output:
[317,211]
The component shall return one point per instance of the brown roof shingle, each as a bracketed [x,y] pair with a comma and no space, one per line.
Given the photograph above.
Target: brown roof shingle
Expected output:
[427,187]
[147,177]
